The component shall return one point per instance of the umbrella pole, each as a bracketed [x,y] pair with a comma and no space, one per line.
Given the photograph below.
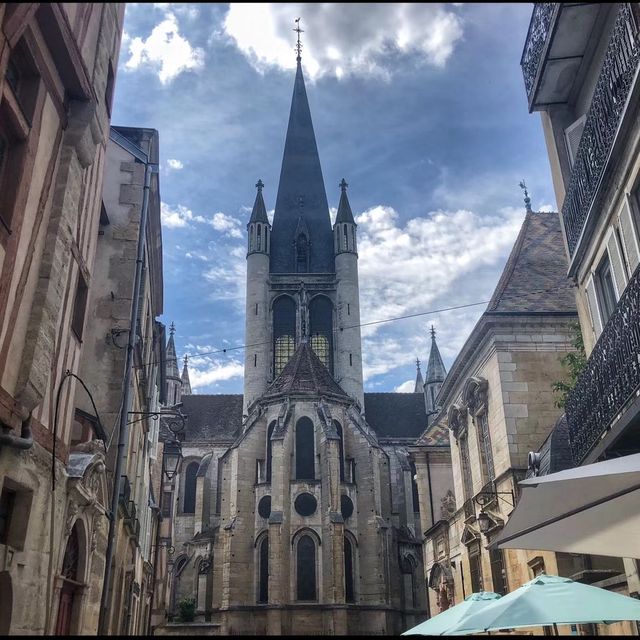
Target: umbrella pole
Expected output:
[555,628]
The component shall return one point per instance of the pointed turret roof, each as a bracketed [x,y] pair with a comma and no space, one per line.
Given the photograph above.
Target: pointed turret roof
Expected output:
[305,373]
[419,380]
[435,370]
[172,360]
[259,212]
[301,192]
[344,208]
[186,383]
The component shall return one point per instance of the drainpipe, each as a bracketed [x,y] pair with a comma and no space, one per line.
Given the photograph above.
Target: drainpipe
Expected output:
[433,521]
[23,441]
[123,433]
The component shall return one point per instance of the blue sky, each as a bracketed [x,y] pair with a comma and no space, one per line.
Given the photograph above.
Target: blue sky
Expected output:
[421,107]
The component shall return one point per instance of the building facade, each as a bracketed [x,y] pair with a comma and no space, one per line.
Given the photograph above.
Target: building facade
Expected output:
[296,505]
[57,69]
[580,65]
[497,404]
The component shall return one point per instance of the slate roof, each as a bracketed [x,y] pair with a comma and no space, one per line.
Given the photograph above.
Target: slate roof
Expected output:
[435,369]
[259,211]
[534,279]
[301,192]
[344,215]
[555,453]
[210,418]
[399,415]
[305,373]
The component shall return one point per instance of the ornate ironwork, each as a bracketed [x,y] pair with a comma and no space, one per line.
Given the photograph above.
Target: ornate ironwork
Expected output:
[539,27]
[603,119]
[611,377]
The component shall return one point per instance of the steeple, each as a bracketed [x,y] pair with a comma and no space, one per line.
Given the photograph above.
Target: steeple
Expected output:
[344,228]
[301,191]
[259,212]
[344,208]
[186,383]
[419,381]
[174,383]
[434,377]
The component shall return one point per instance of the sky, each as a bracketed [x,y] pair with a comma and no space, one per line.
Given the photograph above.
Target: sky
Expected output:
[420,107]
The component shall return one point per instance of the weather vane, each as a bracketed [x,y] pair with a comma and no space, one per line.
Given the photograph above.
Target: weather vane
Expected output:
[299,45]
[527,199]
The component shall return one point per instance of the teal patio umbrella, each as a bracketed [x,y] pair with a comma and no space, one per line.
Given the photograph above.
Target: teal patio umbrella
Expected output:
[440,624]
[548,600]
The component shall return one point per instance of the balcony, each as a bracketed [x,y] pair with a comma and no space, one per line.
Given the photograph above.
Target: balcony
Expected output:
[589,177]
[610,381]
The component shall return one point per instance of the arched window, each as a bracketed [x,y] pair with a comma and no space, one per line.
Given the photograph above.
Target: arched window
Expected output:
[349,593]
[321,321]
[71,576]
[263,570]
[284,332]
[266,237]
[305,450]
[259,237]
[341,448]
[306,568]
[302,254]
[272,426]
[408,566]
[346,238]
[190,478]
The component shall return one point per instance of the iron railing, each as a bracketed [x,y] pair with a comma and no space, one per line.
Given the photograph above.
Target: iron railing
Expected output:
[610,378]
[539,27]
[125,491]
[603,119]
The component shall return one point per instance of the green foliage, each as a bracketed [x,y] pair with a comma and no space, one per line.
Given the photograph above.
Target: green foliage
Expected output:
[574,362]
[187,609]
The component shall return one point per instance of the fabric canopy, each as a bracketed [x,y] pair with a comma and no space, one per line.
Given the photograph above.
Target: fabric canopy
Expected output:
[591,509]
[440,624]
[548,600]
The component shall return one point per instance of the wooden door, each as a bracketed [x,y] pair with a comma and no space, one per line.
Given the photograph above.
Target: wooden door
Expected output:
[63,625]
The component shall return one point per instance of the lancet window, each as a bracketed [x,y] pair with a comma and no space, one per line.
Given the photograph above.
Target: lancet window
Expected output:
[284,332]
[321,320]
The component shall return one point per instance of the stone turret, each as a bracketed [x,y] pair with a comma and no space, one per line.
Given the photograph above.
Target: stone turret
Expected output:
[419,387]
[349,344]
[186,383]
[434,377]
[257,355]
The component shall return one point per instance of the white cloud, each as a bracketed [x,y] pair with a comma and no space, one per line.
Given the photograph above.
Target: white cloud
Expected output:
[181,216]
[173,217]
[406,387]
[228,225]
[205,371]
[343,38]
[165,51]
[175,164]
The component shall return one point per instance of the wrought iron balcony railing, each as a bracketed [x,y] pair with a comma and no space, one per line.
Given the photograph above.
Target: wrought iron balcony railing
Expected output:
[539,27]
[125,491]
[603,119]
[611,377]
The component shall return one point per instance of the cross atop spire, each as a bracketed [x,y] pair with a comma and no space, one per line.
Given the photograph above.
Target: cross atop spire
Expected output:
[298,30]
[259,185]
[527,199]
[419,381]
[433,332]
[418,363]
[172,329]
[343,185]
[186,359]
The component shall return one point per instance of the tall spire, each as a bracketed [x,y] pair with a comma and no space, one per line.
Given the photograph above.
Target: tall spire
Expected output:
[301,192]
[186,383]
[344,208]
[435,369]
[172,375]
[419,380]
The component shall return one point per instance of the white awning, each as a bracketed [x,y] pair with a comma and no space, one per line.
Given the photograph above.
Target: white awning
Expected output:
[593,509]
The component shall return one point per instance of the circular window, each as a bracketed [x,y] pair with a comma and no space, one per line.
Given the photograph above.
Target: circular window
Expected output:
[305,504]
[264,506]
[346,506]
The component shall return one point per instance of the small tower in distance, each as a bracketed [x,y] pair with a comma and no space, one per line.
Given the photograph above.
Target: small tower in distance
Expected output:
[186,383]
[434,377]
[174,382]
[419,388]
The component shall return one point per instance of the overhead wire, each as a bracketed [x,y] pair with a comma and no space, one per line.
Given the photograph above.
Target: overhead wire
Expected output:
[373,322]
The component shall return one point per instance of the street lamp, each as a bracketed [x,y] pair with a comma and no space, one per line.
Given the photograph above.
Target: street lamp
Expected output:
[484,522]
[172,454]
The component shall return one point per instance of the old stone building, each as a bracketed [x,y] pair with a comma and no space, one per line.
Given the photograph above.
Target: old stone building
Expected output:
[498,404]
[57,71]
[296,508]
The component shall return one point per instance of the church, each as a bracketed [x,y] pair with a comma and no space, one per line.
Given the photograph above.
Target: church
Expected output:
[296,508]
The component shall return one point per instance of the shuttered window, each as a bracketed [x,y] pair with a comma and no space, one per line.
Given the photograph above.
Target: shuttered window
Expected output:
[596,323]
[617,266]
[572,135]
[629,233]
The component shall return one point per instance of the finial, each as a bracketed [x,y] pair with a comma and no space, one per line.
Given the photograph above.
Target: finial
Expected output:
[343,185]
[527,199]
[298,46]
[433,333]
[418,364]
[259,185]
[186,360]
[172,329]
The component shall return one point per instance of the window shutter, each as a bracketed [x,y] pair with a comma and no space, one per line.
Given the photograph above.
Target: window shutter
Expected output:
[572,135]
[617,267]
[596,323]
[629,236]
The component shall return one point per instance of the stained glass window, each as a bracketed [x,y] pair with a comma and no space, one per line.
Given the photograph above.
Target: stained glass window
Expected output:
[305,450]
[263,587]
[348,571]
[189,505]
[306,569]
[284,331]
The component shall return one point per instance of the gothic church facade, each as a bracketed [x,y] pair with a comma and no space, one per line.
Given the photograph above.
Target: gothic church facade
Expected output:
[296,510]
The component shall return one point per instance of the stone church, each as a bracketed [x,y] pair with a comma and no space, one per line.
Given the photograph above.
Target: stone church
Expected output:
[296,510]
